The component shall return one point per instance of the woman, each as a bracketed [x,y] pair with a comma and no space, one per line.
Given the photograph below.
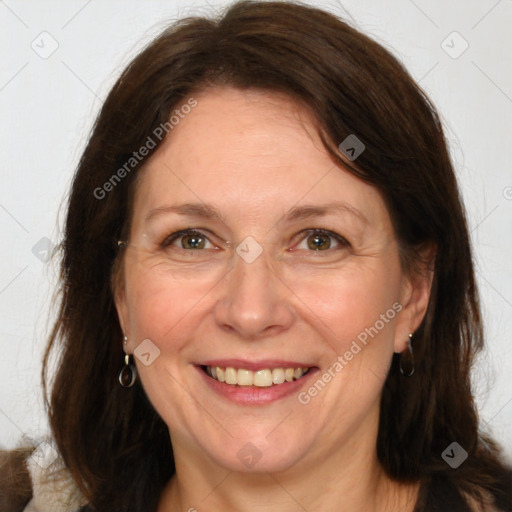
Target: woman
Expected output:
[266,224]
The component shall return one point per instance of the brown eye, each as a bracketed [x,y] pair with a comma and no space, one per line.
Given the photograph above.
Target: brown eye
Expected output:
[187,239]
[193,241]
[319,242]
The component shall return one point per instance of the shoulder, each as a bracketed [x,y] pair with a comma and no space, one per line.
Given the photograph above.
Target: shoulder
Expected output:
[497,498]
[42,483]
[489,503]
[53,489]
[441,494]
[485,505]
[15,484]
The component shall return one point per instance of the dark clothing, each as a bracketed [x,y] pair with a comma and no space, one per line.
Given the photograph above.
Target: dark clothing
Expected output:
[440,495]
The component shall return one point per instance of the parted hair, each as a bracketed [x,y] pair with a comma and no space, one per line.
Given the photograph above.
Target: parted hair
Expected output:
[112,440]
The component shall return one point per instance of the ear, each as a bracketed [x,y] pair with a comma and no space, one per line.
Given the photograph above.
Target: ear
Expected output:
[415,295]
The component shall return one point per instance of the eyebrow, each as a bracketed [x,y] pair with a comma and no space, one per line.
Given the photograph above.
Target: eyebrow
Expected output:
[191,209]
[309,211]
[206,211]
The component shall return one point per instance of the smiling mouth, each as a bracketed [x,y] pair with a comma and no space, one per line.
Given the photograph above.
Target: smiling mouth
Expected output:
[263,378]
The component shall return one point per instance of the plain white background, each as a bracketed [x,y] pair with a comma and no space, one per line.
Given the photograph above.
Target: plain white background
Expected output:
[49,103]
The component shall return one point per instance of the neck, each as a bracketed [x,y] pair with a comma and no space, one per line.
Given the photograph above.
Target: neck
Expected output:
[348,479]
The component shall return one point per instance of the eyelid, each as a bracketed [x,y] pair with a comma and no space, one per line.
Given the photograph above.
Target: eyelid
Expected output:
[326,232]
[170,239]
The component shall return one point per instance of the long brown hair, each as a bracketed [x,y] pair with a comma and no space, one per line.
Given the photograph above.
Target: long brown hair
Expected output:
[112,440]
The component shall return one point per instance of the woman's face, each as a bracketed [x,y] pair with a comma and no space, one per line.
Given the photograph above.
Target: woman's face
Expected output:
[291,263]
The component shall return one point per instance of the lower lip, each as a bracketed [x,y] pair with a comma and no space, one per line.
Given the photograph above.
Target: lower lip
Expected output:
[253,395]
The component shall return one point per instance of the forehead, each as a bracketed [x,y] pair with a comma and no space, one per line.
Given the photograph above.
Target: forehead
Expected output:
[235,135]
[251,151]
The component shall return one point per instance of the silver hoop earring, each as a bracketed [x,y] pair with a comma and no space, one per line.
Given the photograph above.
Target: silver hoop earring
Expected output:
[128,374]
[406,364]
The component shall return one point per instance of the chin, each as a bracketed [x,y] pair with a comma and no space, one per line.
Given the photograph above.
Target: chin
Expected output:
[257,454]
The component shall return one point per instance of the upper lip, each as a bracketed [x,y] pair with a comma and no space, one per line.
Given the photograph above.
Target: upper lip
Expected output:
[255,365]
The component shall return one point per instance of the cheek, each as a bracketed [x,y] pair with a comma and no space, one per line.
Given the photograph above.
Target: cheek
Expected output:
[161,304]
[354,302]
[164,309]
[355,314]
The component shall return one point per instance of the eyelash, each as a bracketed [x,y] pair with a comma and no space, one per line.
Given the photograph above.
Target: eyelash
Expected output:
[344,243]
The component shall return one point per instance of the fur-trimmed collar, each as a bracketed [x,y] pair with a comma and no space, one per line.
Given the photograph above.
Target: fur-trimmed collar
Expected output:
[53,488]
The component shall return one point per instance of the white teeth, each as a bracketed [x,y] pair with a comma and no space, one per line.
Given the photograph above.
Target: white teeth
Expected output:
[277,375]
[244,377]
[261,378]
[230,375]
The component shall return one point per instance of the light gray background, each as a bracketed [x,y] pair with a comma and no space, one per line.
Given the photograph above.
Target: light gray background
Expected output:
[49,104]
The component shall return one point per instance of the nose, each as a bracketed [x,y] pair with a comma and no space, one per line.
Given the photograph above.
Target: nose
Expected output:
[254,301]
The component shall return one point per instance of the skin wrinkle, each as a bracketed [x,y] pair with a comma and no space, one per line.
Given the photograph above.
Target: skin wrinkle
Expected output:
[284,304]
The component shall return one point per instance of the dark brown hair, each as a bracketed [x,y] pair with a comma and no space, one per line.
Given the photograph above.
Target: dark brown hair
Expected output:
[112,440]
